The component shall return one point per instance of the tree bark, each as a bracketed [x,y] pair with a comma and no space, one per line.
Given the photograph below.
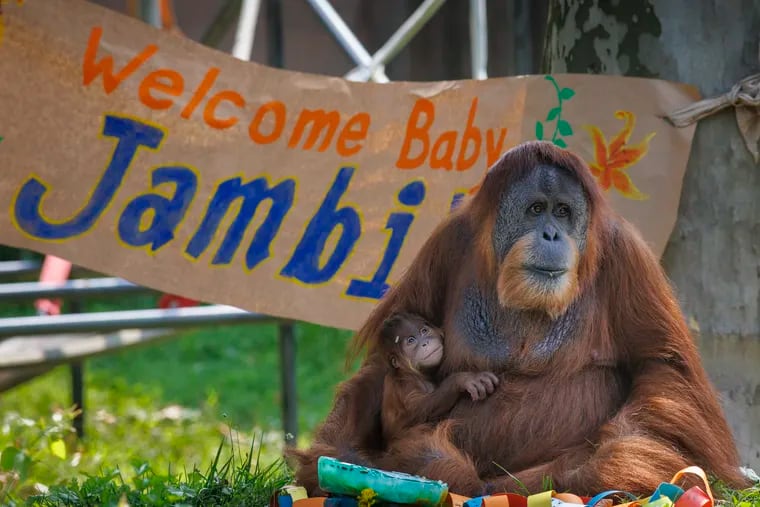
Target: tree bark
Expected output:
[713,256]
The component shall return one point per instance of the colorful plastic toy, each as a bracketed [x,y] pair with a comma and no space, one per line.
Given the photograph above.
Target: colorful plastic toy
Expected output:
[347,479]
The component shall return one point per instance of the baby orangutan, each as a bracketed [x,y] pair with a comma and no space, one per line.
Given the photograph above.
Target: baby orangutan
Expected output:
[415,350]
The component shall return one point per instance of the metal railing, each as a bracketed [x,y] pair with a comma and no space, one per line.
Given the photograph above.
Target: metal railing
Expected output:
[169,320]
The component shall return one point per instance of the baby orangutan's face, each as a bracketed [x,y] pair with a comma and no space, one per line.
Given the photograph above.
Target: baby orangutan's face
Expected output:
[420,343]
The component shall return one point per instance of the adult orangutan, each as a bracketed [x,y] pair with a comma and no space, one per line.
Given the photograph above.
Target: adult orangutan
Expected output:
[538,280]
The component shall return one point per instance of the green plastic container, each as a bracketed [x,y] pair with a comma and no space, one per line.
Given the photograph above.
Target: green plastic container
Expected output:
[341,478]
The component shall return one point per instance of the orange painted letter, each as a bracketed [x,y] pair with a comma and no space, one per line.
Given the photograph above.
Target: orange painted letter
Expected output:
[222,123]
[471,134]
[349,134]
[442,154]
[91,70]
[172,84]
[494,147]
[420,133]
[200,92]
[320,120]
[278,109]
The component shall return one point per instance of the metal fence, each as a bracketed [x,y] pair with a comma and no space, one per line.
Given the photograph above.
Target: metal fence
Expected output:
[21,337]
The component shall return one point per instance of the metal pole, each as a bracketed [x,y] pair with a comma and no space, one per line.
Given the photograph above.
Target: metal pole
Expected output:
[275,50]
[396,43]
[75,289]
[59,325]
[246,30]
[222,22]
[287,339]
[288,383]
[150,12]
[479,39]
[8,268]
[27,267]
[77,395]
[77,384]
[346,37]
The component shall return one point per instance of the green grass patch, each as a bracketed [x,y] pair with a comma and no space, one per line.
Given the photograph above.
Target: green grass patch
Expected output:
[158,412]
[238,367]
[240,479]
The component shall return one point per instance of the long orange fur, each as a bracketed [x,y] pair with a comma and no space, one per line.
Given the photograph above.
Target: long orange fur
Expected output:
[624,404]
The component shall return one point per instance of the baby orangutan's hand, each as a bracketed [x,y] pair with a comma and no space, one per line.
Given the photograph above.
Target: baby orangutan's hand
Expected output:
[478,385]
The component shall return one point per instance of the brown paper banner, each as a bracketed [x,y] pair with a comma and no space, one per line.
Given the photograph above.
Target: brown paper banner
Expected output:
[142,154]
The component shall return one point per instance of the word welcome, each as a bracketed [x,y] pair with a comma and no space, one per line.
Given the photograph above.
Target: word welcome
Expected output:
[317,129]
[150,220]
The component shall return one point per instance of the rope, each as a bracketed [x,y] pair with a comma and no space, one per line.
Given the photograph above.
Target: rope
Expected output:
[744,93]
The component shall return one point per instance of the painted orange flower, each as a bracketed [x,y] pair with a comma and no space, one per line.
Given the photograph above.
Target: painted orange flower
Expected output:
[611,160]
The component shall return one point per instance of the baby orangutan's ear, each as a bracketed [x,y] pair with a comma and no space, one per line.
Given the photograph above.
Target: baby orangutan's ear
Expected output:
[394,360]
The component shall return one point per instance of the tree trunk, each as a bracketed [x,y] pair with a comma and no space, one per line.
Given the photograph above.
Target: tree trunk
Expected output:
[713,256]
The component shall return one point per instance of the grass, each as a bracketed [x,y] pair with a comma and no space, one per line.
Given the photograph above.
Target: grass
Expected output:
[236,367]
[749,497]
[168,406]
[224,483]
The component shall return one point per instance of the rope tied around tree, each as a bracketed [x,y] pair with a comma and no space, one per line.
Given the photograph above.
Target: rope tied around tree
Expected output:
[744,96]
[744,93]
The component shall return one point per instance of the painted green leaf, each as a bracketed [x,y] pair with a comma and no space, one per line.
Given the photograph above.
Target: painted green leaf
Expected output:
[58,448]
[564,128]
[560,142]
[539,130]
[553,114]
[8,458]
[566,94]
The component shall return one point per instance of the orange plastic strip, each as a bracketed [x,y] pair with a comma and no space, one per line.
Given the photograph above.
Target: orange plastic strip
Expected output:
[497,500]
[695,470]
[454,500]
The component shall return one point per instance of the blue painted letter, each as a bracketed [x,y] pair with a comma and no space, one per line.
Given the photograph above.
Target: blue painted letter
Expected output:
[251,194]
[304,264]
[411,195]
[167,213]
[131,135]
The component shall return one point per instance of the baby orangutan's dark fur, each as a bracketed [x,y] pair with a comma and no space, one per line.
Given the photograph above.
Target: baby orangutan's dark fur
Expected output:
[538,280]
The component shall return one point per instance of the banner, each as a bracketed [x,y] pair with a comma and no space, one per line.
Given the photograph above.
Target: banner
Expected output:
[142,154]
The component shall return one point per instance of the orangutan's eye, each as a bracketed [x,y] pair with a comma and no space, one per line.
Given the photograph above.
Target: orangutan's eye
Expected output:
[537,208]
[563,210]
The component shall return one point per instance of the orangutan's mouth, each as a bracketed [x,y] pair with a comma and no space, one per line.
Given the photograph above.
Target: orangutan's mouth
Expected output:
[547,272]
[431,353]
